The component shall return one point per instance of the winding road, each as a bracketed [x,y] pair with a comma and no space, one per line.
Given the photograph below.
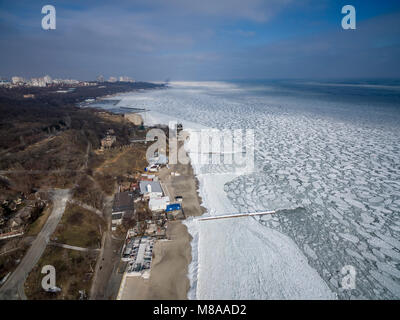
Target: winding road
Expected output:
[13,289]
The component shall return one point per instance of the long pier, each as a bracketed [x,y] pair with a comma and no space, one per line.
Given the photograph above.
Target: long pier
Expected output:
[237,215]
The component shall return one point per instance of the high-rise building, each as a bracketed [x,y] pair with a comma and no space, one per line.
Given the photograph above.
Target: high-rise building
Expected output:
[17,80]
[38,82]
[125,79]
[47,79]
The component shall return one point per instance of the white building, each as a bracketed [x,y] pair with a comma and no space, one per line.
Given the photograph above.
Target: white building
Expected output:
[151,189]
[158,204]
[47,79]
[66,81]
[17,80]
[116,218]
[125,79]
[38,82]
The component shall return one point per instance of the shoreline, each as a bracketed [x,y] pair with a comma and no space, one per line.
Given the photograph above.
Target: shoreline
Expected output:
[201,183]
[169,275]
[211,259]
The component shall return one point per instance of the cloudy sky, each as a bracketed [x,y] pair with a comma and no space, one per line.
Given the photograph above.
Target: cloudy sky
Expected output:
[201,40]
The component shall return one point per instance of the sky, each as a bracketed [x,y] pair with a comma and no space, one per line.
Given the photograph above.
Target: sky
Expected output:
[201,40]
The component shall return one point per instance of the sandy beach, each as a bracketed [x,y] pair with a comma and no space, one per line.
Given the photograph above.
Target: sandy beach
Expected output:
[168,279]
[169,270]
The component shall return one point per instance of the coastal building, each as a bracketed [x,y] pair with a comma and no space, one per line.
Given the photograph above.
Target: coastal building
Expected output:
[150,189]
[123,205]
[173,207]
[138,252]
[174,211]
[158,204]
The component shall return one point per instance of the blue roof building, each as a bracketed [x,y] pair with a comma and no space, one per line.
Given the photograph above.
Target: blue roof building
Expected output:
[173,207]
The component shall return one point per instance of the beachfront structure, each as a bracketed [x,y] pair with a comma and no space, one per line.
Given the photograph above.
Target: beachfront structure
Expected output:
[173,207]
[123,205]
[138,252]
[130,249]
[174,211]
[158,204]
[150,189]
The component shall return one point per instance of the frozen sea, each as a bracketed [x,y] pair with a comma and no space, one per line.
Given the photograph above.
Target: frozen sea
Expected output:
[327,157]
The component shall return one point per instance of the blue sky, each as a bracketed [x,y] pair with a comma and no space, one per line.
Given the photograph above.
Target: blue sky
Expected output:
[201,40]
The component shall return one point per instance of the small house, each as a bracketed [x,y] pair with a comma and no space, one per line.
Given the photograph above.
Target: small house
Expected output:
[150,189]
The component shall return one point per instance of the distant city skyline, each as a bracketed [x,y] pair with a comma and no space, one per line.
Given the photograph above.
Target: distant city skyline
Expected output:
[155,40]
[98,78]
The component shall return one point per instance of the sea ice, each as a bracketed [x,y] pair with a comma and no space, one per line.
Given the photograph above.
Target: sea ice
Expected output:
[330,167]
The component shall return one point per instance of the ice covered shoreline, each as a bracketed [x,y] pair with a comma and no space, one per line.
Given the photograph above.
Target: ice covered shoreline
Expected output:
[332,155]
[283,268]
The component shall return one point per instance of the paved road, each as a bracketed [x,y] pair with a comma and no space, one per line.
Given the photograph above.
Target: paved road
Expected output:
[13,289]
[107,277]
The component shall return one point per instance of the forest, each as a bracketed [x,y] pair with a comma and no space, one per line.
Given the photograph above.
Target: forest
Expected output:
[47,140]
